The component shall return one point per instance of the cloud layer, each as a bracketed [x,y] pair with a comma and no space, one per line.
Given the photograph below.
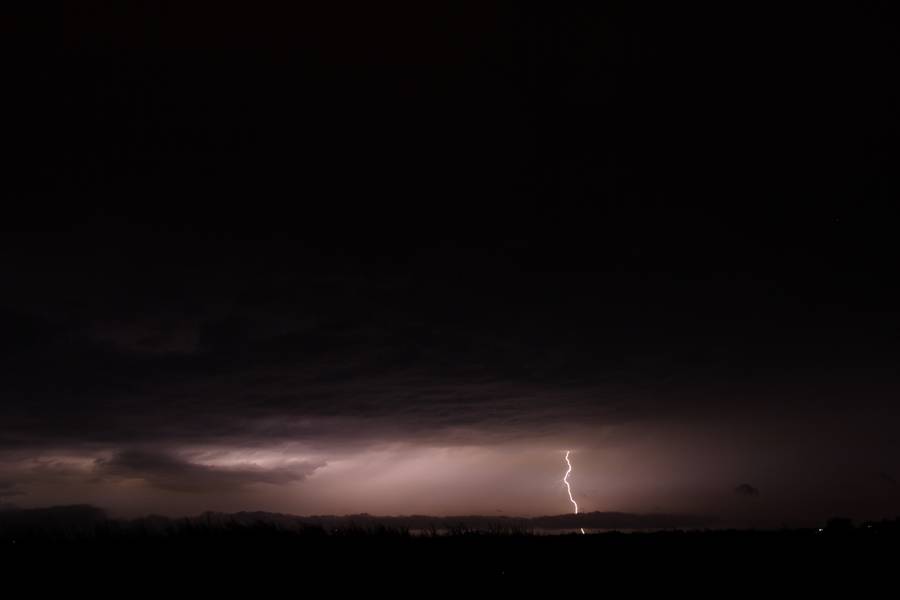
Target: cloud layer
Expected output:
[168,472]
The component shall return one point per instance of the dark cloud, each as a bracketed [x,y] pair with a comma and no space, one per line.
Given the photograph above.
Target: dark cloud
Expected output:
[165,471]
[262,368]
[256,342]
[746,490]
[9,489]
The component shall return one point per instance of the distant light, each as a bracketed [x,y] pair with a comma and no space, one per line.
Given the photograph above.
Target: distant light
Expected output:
[821,530]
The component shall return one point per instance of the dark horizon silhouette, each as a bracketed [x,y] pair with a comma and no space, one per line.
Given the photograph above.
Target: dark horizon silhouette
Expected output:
[81,516]
[85,520]
[230,552]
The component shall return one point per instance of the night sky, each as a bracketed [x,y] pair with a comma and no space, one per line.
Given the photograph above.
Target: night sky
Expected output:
[400,259]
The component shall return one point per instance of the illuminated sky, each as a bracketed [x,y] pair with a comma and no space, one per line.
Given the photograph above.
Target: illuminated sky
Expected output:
[314,266]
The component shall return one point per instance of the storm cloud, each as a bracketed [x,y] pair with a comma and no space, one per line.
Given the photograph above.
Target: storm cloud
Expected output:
[169,472]
[9,489]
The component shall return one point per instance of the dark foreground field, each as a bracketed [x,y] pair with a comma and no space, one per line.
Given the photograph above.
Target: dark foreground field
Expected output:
[264,559]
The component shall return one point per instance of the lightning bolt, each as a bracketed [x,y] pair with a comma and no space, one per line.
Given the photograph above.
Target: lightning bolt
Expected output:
[569,487]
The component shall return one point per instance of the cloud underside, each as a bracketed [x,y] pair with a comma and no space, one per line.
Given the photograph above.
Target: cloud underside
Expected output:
[293,351]
[294,386]
[169,472]
[9,489]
